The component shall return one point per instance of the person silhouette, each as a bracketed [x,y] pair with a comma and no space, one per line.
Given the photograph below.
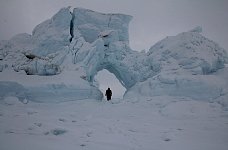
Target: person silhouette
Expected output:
[108,94]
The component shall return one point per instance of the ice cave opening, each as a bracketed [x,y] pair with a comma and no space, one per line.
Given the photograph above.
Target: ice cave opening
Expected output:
[106,79]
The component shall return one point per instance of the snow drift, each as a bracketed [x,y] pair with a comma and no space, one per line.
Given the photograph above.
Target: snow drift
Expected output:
[70,48]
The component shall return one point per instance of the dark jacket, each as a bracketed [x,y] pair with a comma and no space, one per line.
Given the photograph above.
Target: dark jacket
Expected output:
[108,94]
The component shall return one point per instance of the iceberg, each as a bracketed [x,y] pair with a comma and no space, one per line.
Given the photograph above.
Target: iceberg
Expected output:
[83,42]
[189,63]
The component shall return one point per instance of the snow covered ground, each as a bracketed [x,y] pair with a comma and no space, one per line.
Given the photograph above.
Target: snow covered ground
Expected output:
[176,93]
[157,123]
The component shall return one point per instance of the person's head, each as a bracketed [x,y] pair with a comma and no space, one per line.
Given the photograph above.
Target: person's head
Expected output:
[108,88]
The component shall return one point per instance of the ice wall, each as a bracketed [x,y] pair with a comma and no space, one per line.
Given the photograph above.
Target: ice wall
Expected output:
[189,63]
[90,24]
[53,35]
[181,65]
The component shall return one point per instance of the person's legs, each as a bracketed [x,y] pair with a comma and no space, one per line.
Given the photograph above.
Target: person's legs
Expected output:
[108,97]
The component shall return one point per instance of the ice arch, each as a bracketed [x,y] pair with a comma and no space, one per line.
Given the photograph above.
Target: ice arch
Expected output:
[100,41]
[106,79]
[121,73]
[85,42]
[108,60]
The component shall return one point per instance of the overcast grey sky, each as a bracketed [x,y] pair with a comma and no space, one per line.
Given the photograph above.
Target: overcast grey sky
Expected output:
[152,21]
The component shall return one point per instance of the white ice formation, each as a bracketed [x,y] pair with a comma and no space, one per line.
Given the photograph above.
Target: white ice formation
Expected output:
[85,42]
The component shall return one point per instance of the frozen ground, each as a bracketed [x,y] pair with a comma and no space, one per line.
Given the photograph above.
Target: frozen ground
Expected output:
[157,123]
[48,91]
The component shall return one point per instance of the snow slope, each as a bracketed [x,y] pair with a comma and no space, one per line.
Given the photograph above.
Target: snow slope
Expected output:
[160,123]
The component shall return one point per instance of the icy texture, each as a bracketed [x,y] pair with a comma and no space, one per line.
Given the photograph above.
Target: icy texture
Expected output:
[208,88]
[49,44]
[189,51]
[90,24]
[9,88]
[85,42]
[68,86]
[101,42]
[188,64]
[54,34]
